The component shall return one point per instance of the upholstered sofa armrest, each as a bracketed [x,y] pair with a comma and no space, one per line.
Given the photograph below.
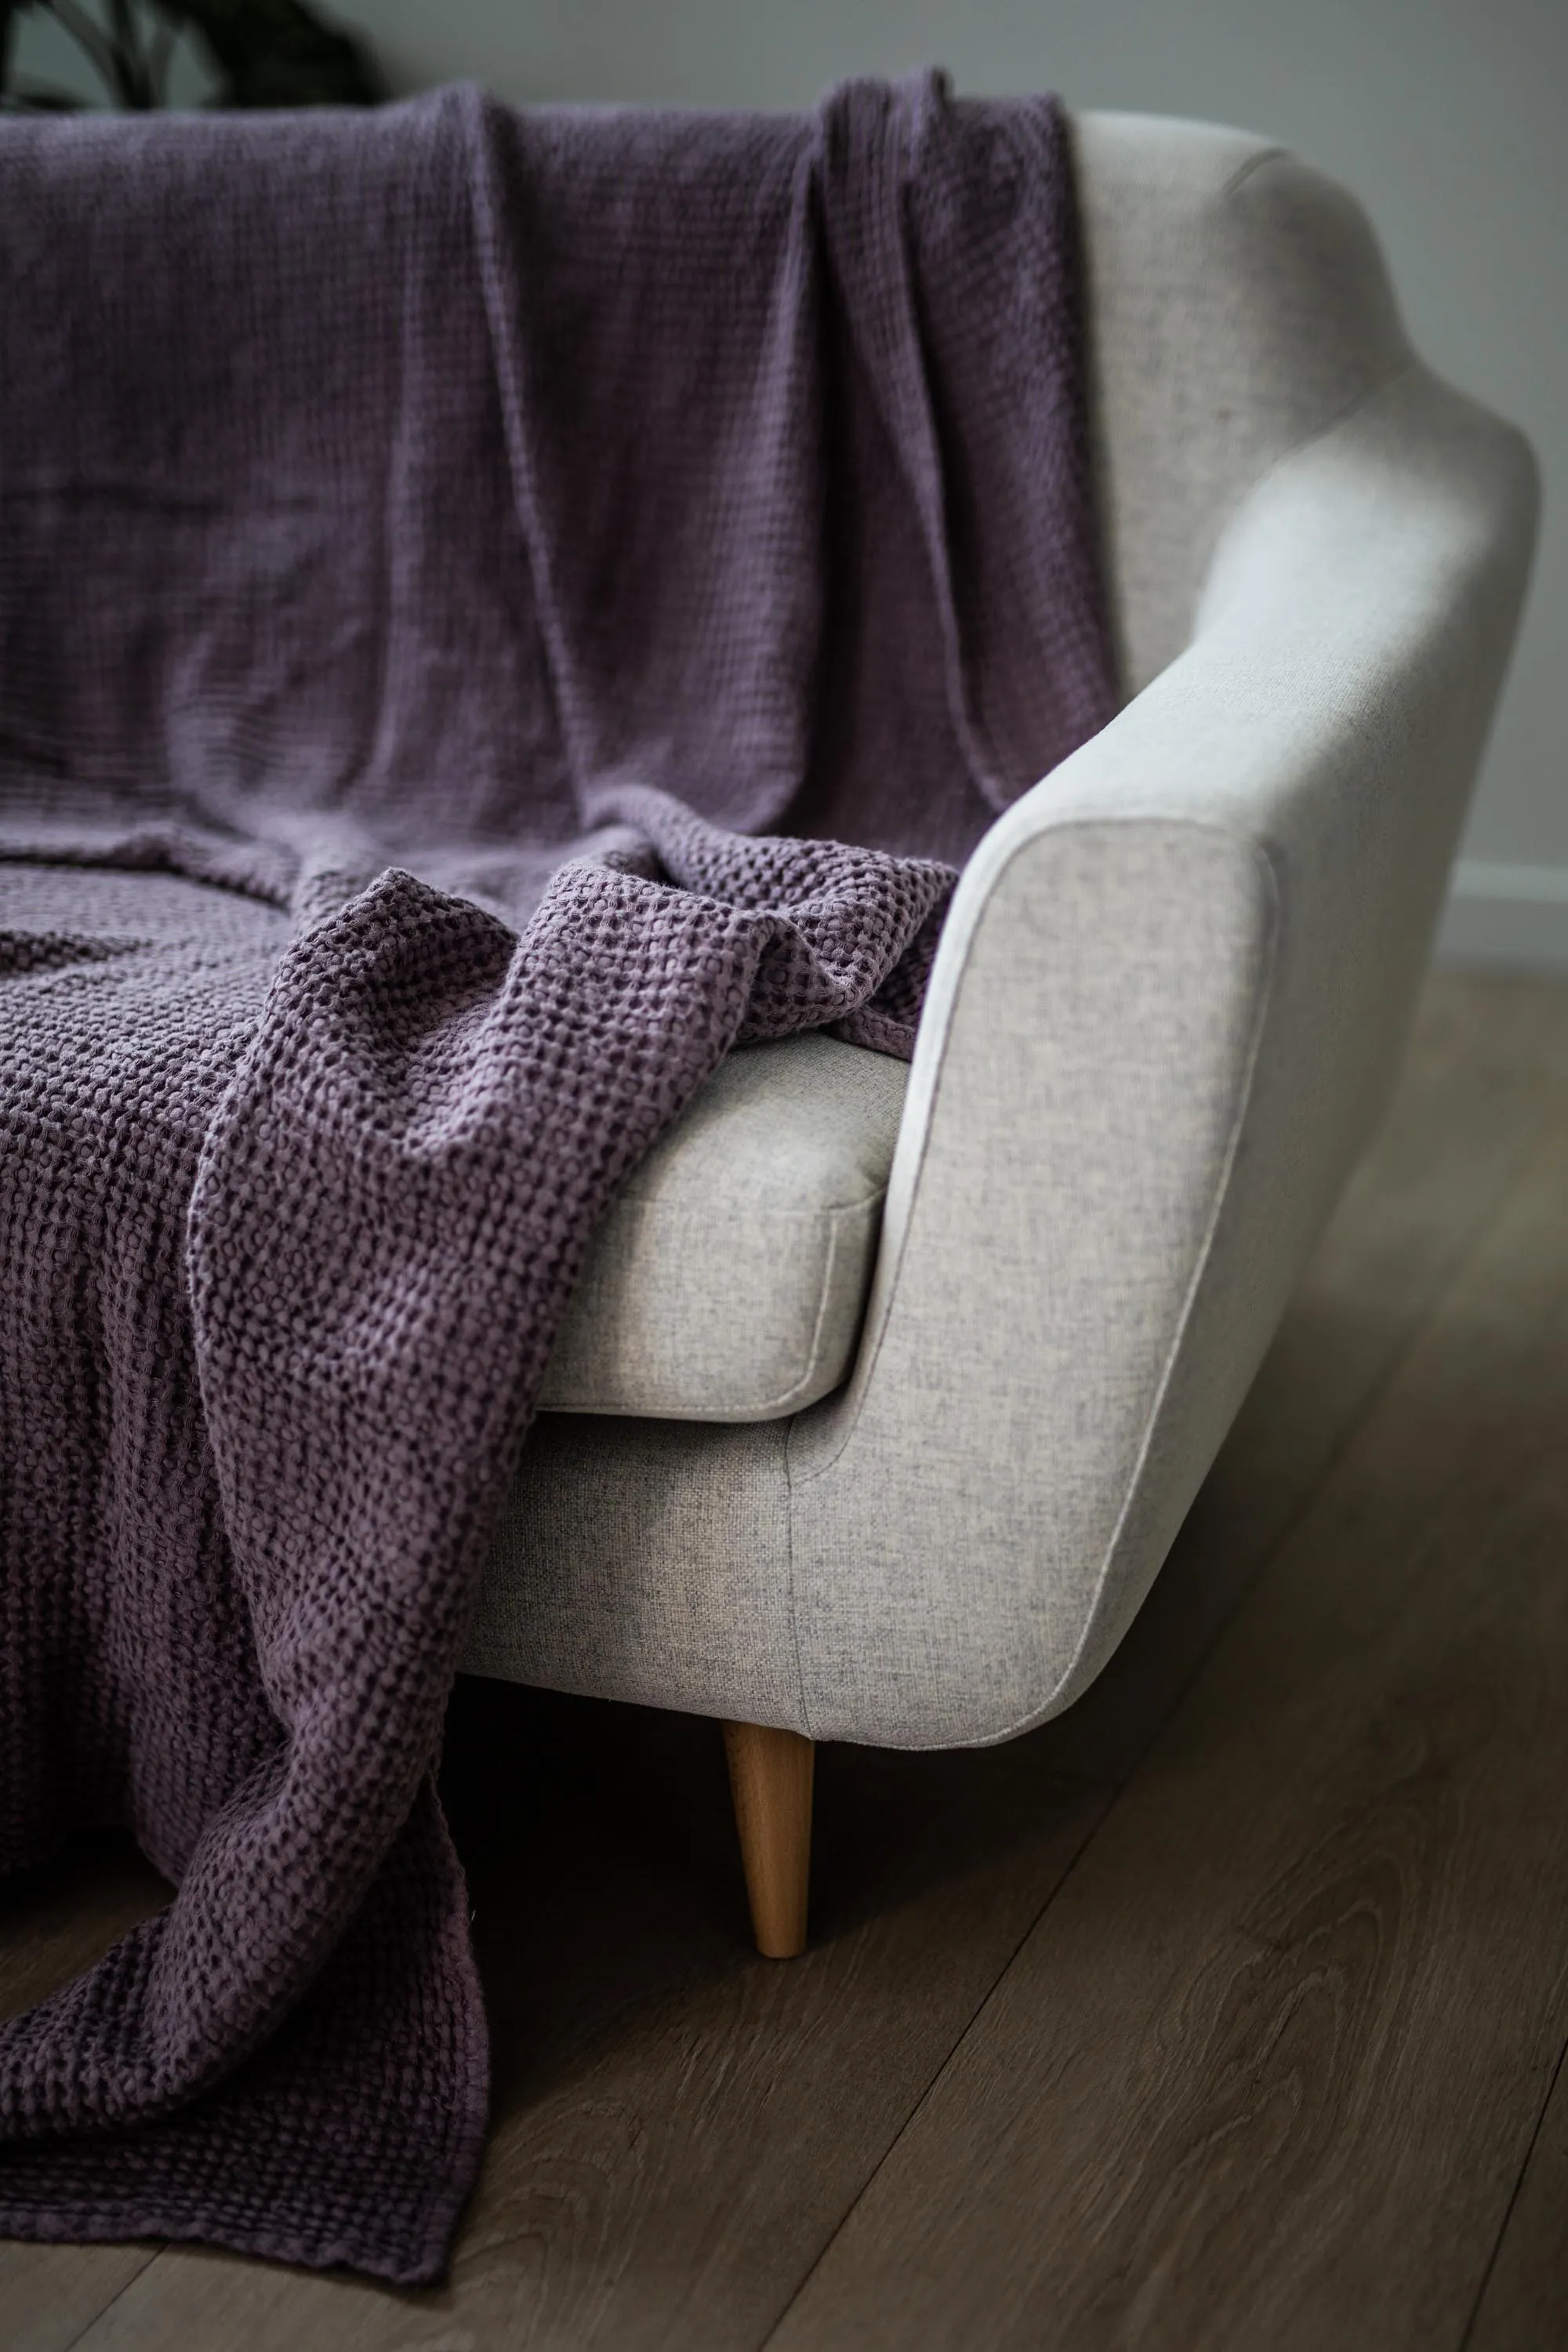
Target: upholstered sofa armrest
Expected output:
[1168,1005]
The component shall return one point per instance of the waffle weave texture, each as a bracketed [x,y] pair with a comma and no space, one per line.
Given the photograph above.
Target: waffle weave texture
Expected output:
[495,611]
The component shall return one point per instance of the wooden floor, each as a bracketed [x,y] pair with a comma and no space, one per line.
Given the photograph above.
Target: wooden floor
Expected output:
[1227,2012]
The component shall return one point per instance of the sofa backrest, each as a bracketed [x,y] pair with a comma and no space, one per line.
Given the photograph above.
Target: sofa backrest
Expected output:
[1238,304]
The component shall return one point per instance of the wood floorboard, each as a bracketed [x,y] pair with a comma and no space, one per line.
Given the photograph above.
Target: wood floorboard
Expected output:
[60,1920]
[1267,2071]
[680,2128]
[1524,2306]
[678,2125]
[54,1923]
[50,2294]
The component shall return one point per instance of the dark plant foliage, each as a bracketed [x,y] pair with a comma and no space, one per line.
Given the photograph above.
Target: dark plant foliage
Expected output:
[259,52]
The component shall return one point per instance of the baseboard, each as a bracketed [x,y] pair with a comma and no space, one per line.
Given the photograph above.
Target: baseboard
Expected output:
[1505,915]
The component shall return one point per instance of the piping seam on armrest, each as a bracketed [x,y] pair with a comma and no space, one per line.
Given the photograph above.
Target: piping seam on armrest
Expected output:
[1264,859]
[865,1374]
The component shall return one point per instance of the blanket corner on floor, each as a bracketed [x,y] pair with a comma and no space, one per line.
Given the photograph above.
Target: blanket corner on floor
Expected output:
[495,608]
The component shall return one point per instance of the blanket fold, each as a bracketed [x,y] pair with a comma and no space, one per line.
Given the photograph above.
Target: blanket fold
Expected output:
[495,612]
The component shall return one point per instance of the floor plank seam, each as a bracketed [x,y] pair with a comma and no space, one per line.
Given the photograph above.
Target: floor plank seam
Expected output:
[968,2023]
[124,2288]
[1448,1282]
[1492,2262]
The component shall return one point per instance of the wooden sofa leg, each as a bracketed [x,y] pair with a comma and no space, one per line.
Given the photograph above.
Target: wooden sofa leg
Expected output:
[770,1780]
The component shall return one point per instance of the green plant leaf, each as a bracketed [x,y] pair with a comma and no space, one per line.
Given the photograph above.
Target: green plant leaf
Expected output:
[9,12]
[279,53]
[261,53]
[38,98]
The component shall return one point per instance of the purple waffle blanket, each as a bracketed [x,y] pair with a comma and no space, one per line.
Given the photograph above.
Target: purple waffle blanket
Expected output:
[465,578]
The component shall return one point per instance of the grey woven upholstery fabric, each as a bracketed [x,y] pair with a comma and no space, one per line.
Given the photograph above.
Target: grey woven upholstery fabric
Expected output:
[1167,1007]
[729,1280]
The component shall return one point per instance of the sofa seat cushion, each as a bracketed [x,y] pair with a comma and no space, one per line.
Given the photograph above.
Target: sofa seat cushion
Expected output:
[729,1280]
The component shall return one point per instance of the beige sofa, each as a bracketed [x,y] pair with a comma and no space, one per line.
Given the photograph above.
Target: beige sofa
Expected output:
[881,1404]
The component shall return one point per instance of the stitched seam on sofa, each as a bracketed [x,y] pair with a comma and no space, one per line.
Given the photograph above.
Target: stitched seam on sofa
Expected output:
[1072,824]
[1265,860]
[790,1583]
[1253,163]
[783,1402]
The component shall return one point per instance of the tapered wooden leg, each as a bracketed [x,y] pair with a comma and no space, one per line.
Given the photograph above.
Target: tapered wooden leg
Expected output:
[770,1779]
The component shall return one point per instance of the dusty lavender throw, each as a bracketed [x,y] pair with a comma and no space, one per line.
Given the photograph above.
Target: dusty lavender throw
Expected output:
[464,579]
